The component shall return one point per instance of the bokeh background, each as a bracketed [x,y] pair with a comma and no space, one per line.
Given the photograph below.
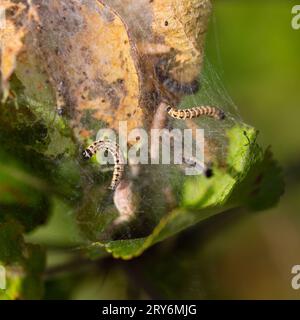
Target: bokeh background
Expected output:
[253,48]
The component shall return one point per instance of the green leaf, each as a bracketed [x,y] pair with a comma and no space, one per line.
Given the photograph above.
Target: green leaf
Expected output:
[24,264]
[233,186]
[263,185]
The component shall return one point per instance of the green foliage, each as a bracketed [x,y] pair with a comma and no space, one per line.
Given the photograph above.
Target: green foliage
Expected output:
[24,264]
[23,196]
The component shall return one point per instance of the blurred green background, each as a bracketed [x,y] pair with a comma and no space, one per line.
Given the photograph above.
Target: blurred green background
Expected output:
[256,51]
[253,48]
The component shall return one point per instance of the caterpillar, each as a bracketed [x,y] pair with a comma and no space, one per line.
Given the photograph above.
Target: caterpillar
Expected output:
[196,112]
[114,149]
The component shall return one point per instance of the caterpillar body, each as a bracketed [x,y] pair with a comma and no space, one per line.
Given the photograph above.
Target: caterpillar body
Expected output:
[196,112]
[112,148]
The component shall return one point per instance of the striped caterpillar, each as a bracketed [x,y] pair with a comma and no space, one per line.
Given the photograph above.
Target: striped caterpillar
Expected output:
[114,149]
[196,112]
